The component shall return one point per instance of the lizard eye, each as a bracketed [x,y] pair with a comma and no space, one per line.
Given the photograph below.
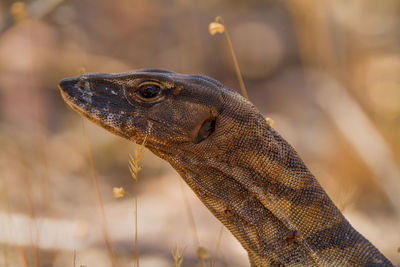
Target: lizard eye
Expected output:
[148,91]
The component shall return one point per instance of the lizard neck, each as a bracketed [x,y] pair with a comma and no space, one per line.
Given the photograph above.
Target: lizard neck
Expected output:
[265,195]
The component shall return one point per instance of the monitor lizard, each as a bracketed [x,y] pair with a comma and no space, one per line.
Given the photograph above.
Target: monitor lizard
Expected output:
[243,171]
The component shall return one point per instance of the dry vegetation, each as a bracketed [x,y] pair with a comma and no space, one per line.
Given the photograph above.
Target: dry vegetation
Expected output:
[327,72]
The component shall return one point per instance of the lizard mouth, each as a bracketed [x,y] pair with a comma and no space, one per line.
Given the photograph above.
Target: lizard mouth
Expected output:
[75,103]
[100,104]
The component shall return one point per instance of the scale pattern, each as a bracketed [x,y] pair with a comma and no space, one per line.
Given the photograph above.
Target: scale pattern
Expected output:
[243,171]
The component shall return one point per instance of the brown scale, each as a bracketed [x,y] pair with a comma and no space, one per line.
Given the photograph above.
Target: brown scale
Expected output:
[293,237]
[228,213]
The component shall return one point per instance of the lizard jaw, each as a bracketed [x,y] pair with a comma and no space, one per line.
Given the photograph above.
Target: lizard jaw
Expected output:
[81,99]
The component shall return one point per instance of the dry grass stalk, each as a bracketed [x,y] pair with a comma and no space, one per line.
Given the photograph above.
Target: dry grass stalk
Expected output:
[134,168]
[23,261]
[219,27]
[99,198]
[178,256]
[5,246]
[74,258]
[221,231]
[34,229]
[346,198]
[192,222]
[5,253]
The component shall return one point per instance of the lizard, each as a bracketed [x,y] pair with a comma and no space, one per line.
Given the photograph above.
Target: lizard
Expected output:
[244,172]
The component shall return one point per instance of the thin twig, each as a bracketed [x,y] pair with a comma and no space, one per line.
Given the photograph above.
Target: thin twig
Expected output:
[99,198]
[235,61]
[34,228]
[6,246]
[23,261]
[221,231]
[74,257]
[135,249]
[190,215]
[134,168]
[191,220]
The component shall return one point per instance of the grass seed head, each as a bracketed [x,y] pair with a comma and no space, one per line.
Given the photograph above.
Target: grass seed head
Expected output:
[118,192]
[178,257]
[134,161]
[215,27]
[270,121]
[202,253]
[19,11]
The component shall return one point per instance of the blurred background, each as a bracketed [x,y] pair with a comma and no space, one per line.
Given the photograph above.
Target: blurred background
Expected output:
[327,72]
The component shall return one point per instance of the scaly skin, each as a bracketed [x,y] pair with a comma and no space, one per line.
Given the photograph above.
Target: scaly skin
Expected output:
[245,173]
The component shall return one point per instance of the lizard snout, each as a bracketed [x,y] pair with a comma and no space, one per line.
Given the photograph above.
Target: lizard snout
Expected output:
[81,83]
[67,83]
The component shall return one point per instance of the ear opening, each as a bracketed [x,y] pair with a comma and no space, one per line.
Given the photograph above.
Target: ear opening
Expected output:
[206,129]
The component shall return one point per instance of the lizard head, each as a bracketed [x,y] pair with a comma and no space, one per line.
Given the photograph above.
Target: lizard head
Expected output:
[171,110]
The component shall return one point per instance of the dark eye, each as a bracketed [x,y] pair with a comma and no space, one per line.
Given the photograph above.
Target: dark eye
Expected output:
[149,91]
